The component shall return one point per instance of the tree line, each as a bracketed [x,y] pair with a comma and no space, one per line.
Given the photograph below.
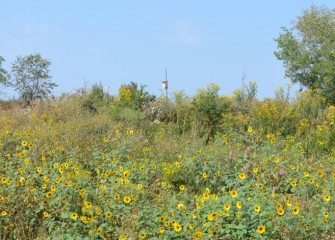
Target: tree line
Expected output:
[307,50]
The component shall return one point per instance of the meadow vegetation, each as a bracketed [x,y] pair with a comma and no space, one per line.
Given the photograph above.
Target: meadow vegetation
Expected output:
[136,166]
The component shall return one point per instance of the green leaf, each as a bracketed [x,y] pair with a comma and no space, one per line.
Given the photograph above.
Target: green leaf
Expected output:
[269,224]
[64,215]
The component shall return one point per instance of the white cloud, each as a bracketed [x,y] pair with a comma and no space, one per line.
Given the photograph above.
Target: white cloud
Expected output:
[182,32]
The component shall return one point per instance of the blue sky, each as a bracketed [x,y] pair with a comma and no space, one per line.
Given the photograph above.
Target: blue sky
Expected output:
[115,42]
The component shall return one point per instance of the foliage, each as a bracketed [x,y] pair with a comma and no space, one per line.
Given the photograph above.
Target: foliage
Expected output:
[183,107]
[244,97]
[161,110]
[31,78]
[274,115]
[207,110]
[136,170]
[95,98]
[310,104]
[134,97]
[307,50]
[4,76]
[267,172]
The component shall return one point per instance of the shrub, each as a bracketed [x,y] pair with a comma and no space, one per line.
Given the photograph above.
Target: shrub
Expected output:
[207,111]
[134,97]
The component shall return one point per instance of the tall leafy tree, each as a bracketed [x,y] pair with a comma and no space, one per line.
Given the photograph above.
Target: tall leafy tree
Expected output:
[31,77]
[4,76]
[307,50]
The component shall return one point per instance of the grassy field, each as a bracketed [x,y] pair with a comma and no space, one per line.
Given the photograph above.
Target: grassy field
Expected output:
[77,168]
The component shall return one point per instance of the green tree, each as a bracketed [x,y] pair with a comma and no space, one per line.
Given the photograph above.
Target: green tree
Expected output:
[31,77]
[4,76]
[307,50]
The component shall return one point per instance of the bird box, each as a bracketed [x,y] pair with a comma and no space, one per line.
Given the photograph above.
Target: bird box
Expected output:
[165,84]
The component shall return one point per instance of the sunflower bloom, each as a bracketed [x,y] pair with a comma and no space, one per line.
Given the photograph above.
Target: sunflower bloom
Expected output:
[177,227]
[212,216]
[197,235]
[296,210]
[326,197]
[226,207]
[126,173]
[122,237]
[161,219]
[161,230]
[74,216]
[88,204]
[127,199]
[238,204]
[108,215]
[280,211]
[99,231]
[261,229]
[84,219]
[242,176]
[142,235]
[233,194]
[257,208]
[49,195]
[116,197]
[181,206]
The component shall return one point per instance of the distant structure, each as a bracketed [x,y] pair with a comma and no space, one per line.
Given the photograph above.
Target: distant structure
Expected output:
[166,84]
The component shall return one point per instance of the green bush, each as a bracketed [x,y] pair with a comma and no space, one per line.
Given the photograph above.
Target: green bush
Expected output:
[133,96]
[208,110]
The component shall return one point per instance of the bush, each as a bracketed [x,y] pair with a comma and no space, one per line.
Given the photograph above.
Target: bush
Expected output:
[96,98]
[207,111]
[134,97]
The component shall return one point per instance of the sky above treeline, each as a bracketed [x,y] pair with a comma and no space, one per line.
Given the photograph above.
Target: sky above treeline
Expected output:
[115,42]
